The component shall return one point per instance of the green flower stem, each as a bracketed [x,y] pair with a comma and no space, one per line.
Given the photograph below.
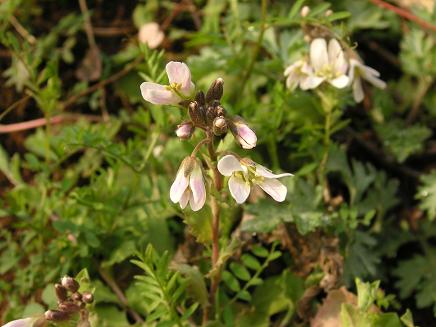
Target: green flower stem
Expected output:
[217,182]
[328,106]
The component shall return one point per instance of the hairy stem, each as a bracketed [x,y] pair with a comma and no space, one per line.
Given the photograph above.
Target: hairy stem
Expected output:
[326,143]
[217,181]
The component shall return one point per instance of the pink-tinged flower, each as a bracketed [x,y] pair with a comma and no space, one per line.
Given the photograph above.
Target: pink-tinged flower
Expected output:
[242,133]
[26,322]
[359,71]
[151,34]
[189,185]
[185,130]
[328,64]
[180,88]
[245,172]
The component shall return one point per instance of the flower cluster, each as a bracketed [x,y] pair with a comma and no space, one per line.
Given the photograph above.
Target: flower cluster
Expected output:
[206,113]
[70,302]
[329,63]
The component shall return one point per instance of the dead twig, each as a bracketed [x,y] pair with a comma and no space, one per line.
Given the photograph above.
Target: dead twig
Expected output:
[119,293]
[22,31]
[129,67]
[405,14]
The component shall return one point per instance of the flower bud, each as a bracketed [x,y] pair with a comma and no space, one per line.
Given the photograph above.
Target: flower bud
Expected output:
[197,114]
[56,315]
[185,130]
[68,306]
[305,11]
[70,284]
[215,91]
[328,12]
[61,292]
[76,297]
[219,126]
[87,297]
[242,133]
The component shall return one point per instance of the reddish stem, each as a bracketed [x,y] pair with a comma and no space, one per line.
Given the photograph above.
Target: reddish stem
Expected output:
[35,123]
[405,14]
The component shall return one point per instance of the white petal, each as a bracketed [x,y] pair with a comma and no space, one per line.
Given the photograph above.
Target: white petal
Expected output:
[336,57]
[377,82]
[340,82]
[292,81]
[357,90]
[185,198]
[178,72]
[180,184]
[196,184]
[274,188]
[228,164]
[197,204]
[239,189]
[26,322]
[265,172]
[158,94]
[318,54]
[311,82]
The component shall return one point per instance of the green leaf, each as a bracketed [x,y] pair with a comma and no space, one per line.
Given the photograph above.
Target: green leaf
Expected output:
[230,281]
[250,261]
[240,271]
[402,140]
[427,195]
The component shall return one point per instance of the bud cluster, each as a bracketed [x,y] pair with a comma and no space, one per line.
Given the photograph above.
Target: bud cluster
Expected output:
[70,300]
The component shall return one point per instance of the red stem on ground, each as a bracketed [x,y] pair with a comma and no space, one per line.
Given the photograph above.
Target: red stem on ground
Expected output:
[405,14]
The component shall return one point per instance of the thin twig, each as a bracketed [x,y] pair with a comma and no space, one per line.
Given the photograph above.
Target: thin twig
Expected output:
[405,14]
[381,157]
[13,106]
[119,293]
[256,51]
[87,24]
[22,31]
[35,123]
[112,31]
[423,86]
[71,100]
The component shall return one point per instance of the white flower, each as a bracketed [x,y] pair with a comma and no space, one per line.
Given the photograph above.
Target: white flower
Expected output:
[297,73]
[189,185]
[26,322]
[328,64]
[180,86]
[242,133]
[151,35]
[359,71]
[244,173]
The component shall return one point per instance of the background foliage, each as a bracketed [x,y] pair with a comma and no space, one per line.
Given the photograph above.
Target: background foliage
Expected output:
[89,187]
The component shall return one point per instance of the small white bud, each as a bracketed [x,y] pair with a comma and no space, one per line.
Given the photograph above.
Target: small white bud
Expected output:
[305,11]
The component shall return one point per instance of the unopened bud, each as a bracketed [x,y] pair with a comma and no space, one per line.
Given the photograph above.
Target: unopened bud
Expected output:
[56,315]
[200,99]
[242,133]
[215,91]
[196,112]
[219,126]
[76,297]
[305,11]
[68,306]
[185,130]
[70,284]
[328,12]
[61,292]
[87,297]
